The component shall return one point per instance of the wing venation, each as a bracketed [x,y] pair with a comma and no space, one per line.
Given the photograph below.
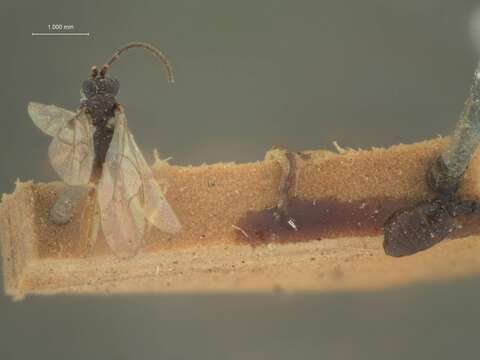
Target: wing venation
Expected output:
[128,195]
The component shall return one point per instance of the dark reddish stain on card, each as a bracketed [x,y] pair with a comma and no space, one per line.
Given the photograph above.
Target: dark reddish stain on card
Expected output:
[321,219]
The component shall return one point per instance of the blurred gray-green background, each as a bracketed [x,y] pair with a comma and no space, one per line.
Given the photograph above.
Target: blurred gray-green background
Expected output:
[249,75]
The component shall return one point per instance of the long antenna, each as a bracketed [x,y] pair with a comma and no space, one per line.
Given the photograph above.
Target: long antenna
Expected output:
[157,53]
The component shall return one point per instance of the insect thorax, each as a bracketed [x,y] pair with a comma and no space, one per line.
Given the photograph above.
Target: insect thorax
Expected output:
[101,108]
[99,99]
[100,104]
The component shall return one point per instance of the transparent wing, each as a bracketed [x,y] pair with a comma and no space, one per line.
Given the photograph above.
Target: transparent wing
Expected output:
[158,211]
[128,195]
[49,118]
[71,151]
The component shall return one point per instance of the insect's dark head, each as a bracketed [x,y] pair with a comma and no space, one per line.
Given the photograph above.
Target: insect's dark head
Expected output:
[105,85]
[100,85]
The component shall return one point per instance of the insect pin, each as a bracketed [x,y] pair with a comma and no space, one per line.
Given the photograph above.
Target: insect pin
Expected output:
[94,149]
[419,227]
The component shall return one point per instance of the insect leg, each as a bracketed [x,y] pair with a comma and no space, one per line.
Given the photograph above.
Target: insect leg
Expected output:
[463,207]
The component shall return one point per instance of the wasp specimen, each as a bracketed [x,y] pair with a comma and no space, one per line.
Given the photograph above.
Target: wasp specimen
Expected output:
[93,148]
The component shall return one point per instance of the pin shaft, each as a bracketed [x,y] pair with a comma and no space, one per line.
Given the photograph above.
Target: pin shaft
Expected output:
[447,171]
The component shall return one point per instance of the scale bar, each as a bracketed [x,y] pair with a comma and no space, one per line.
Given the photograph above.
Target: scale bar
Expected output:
[57,34]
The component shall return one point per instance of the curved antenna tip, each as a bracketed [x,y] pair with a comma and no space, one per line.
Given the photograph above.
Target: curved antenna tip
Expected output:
[156,52]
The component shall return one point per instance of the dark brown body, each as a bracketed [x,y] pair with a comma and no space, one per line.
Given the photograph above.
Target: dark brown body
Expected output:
[420,227]
[100,104]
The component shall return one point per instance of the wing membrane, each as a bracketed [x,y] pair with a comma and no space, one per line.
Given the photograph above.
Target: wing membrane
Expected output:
[128,194]
[121,215]
[158,211]
[71,151]
[49,118]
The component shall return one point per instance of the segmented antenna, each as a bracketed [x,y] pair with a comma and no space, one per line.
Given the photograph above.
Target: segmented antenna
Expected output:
[157,53]
[94,72]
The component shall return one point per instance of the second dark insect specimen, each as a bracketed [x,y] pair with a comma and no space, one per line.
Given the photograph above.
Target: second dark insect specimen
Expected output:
[417,228]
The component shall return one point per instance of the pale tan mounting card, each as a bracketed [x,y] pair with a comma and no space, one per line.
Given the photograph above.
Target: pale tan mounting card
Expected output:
[214,253]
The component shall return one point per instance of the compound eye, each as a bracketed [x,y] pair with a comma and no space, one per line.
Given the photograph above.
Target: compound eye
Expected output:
[112,86]
[89,88]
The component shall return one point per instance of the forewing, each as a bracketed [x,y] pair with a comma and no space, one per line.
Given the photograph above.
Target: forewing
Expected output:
[49,118]
[71,151]
[119,197]
[157,210]
[121,216]
[128,194]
